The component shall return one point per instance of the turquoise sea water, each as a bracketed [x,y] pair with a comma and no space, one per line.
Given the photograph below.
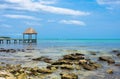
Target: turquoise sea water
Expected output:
[85,42]
[100,43]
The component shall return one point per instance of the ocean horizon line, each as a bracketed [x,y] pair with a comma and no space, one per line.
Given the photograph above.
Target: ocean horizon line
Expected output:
[76,39]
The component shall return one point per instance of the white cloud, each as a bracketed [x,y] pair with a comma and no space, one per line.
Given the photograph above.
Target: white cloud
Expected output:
[19,16]
[38,6]
[111,4]
[48,1]
[74,22]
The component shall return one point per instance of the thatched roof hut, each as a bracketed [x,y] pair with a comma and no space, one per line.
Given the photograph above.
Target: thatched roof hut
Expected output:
[30,38]
[30,31]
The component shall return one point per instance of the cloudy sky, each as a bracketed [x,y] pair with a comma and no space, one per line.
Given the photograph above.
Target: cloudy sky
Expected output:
[61,19]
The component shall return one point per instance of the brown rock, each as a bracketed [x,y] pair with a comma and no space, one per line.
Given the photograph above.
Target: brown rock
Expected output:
[69,76]
[109,71]
[60,62]
[83,61]
[118,64]
[69,67]
[88,67]
[22,76]
[107,58]
[96,65]
[118,54]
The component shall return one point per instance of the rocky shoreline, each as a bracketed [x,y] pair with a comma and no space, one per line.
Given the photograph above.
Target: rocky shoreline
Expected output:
[76,61]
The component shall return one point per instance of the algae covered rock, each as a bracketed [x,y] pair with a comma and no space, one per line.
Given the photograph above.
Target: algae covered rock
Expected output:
[68,76]
[62,61]
[77,67]
[83,61]
[109,71]
[22,76]
[11,77]
[45,71]
[88,67]
[69,67]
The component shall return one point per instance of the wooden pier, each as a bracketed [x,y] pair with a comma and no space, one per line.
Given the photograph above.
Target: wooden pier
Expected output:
[17,41]
[29,36]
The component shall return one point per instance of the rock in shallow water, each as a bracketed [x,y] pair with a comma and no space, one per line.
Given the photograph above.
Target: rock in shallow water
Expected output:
[68,76]
[109,71]
[107,58]
[93,52]
[69,67]
[118,54]
[45,59]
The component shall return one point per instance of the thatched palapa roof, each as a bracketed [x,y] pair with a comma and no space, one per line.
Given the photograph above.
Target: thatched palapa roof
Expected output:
[30,31]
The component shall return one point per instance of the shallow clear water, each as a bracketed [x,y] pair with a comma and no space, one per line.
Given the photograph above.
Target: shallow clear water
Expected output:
[55,49]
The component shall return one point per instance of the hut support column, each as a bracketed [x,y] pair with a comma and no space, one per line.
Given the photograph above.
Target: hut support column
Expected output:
[35,38]
[23,38]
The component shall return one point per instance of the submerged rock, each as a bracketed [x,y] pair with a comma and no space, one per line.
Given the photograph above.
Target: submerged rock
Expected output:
[96,65]
[88,67]
[118,54]
[118,64]
[116,51]
[7,50]
[76,56]
[62,61]
[45,59]
[107,58]
[93,52]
